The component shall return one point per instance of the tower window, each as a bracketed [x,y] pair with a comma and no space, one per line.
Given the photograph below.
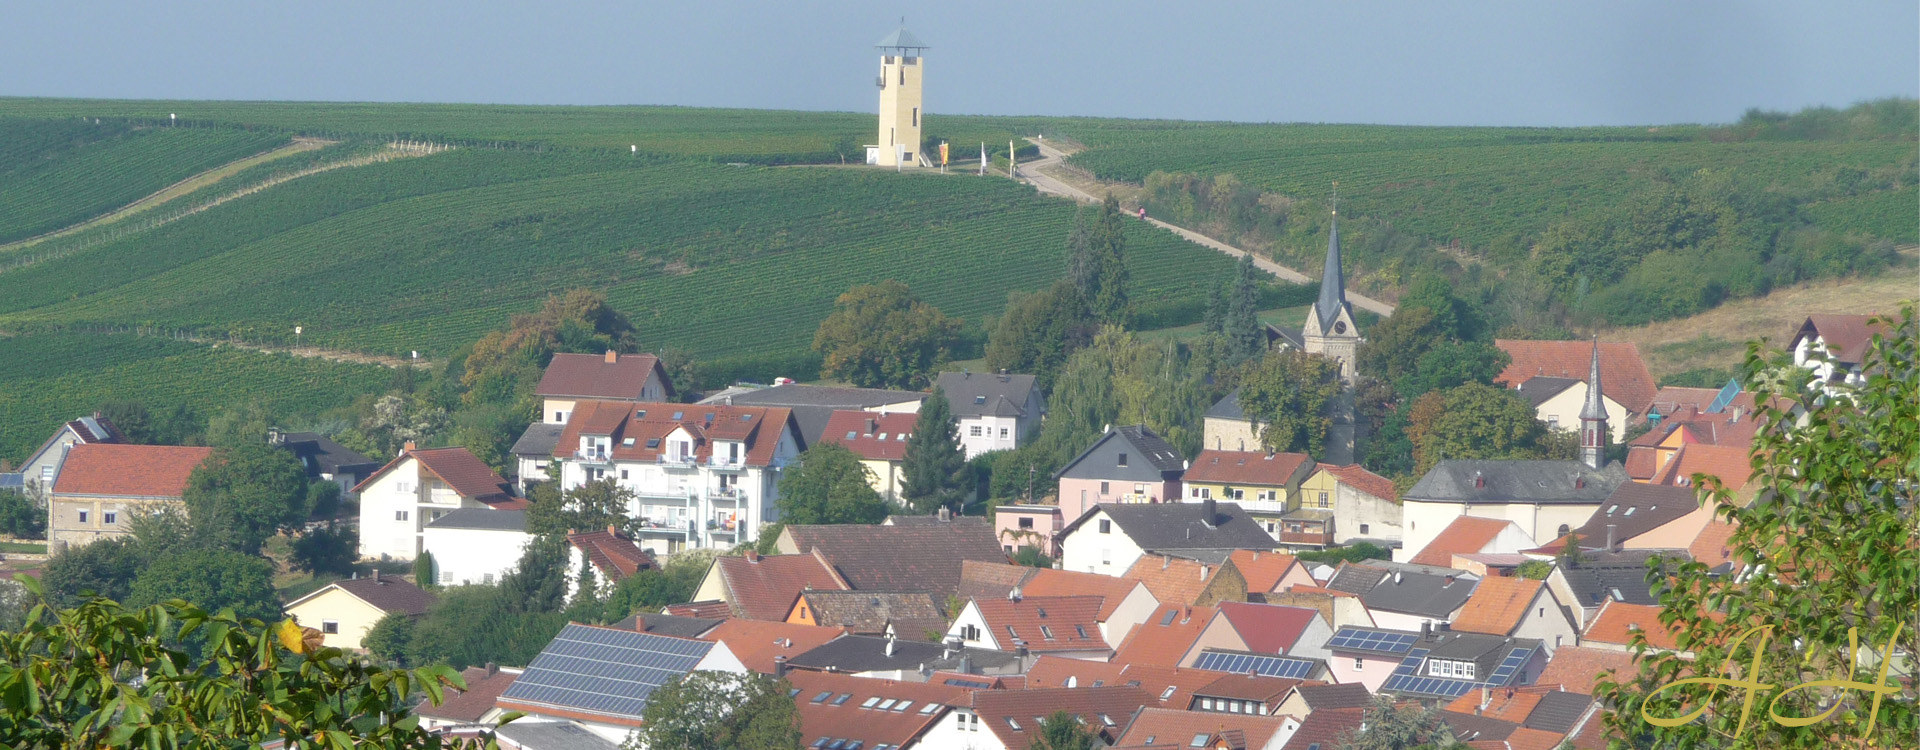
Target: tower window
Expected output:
[916,117]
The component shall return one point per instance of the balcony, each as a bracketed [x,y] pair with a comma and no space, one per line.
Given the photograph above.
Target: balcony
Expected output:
[676,495]
[1307,536]
[592,457]
[729,495]
[651,526]
[722,463]
[682,463]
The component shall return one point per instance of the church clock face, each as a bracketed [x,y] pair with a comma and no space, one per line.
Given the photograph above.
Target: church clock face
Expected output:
[1340,326]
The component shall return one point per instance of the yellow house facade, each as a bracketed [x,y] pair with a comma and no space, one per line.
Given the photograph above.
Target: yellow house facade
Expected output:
[343,611]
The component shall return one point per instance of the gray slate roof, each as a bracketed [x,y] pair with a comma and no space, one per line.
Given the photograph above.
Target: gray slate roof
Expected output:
[1333,282]
[986,395]
[553,735]
[1634,509]
[1599,574]
[866,653]
[485,519]
[1544,482]
[664,624]
[1418,594]
[1228,407]
[1149,457]
[1177,526]
[1538,390]
[323,456]
[1558,711]
[1485,651]
[539,440]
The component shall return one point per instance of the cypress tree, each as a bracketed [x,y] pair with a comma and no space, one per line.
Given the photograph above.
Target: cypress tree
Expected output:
[935,466]
[1242,322]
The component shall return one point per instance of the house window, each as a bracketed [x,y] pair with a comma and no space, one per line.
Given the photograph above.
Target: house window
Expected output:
[1203,492]
[401,515]
[329,627]
[974,431]
[1363,529]
[1106,526]
[1106,556]
[970,632]
[1026,523]
[1359,663]
[559,416]
[1323,499]
[83,515]
[1123,460]
[1239,494]
[1104,489]
[109,516]
[623,473]
[1543,612]
[1553,421]
[1003,433]
[1564,530]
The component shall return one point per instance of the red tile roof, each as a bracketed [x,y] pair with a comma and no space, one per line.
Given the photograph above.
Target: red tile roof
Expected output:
[592,376]
[1152,643]
[710,610]
[1642,462]
[1576,669]
[1245,467]
[878,713]
[1112,591]
[875,436]
[467,706]
[120,470]
[1731,464]
[1169,687]
[1161,727]
[1359,478]
[1497,605]
[757,642]
[1846,336]
[1502,704]
[1172,580]
[612,553]
[1464,534]
[1268,628]
[765,587]
[1623,374]
[1713,546]
[1264,570]
[639,431]
[1617,620]
[466,475]
[1253,687]
[983,579]
[1026,708]
[919,557]
[1045,623]
[1534,739]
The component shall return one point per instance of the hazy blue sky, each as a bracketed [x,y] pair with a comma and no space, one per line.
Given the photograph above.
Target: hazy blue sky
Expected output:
[1510,62]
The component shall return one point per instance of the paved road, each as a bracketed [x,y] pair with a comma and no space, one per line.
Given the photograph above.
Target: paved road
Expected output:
[1035,173]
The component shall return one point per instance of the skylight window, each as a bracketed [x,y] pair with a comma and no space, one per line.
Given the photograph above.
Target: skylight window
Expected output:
[842,700]
[979,399]
[1199,740]
[746,417]
[1015,723]
[1107,720]
[883,436]
[678,415]
[823,696]
[642,414]
[1630,511]
[627,442]
[1168,619]
[1046,632]
[900,436]
[929,708]
[653,442]
[871,701]
[1043,611]
[1081,630]
[885,705]
[1164,694]
[853,434]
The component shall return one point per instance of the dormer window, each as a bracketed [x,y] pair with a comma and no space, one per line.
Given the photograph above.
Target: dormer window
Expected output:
[1122,461]
[979,399]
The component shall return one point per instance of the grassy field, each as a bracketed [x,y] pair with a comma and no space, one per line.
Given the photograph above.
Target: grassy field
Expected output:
[49,378]
[54,173]
[26,548]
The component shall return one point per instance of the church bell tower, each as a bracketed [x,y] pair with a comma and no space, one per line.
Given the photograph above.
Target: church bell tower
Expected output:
[902,63]
[1330,330]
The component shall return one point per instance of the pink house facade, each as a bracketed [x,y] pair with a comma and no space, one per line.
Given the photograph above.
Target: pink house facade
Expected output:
[1127,465]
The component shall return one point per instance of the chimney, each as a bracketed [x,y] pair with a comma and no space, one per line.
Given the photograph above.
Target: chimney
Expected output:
[613,530]
[1479,481]
[1610,528]
[1426,629]
[966,663]
[376,575]
[945,514]
[1003,375]
[1013,595]
[1186,616]
[753,557]
[612,356]
[407,446]
[493,668]
[640,623]
[1207,512]
[1164,560]
[1486,697]
[1203,572]
[779,666]
[1449,580]
[273,436]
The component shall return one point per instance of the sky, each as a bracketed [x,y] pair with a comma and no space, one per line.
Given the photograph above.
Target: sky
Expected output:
[1415,62]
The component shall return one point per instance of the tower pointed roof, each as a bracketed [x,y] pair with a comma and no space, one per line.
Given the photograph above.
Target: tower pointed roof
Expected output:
[1595,409]
[902,38]
[1333,283]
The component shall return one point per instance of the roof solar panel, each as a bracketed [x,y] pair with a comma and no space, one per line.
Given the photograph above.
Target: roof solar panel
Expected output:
[603,670]
[1270,666]
[1509,666]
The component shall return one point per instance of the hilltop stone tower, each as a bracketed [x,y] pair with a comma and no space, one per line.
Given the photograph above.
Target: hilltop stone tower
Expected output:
[1330,330]
[902,66]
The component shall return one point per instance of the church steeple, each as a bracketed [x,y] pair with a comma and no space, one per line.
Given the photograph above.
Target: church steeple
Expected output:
[1333,283]
[1593,417]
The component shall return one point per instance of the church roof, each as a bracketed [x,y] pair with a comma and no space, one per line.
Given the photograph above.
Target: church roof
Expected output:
[902,38]
[1333,283]
[1594,410]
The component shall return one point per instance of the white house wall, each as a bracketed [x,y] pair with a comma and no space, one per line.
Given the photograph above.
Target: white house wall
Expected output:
[468,556]
[1088,550]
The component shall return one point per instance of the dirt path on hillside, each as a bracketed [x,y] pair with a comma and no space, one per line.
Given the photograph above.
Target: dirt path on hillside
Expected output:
[1043,175]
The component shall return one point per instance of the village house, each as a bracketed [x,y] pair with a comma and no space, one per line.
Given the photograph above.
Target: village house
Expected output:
[36,476]
[998,412]
[909,660]
[1546,498]
[99,486]
[1109,537]
[1472,535]
[1247,694]
[702,475]
[476,545]
[1265,485]
[927,554]
[1834,346]
[765,646]
[912,615]
[1010,719]
[1402,599]
[1517,607]
[1615,625]
[765,587]
[1226,427]
[1124,603]
[838,710]
[1365,505]
[1185,581]
[1129,465]
[812,405]
[1264,629]
[325,460]
[467,707]
[1066,626]
[343,611]
[1563,370]
[533,454]
[1457,663]
[1367,656]
[606,694]
[398,501]
[571,378]
[1587,581]
[610,551]
[880,441]
[1028,525]
[1197,730]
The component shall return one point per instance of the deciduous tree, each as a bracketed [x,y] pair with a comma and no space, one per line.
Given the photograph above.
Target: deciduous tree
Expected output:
[935,465]
[708,710]
[1062,731]
[596,505]
[1473,421]
[1390,727]
[881,336]
[1289,393]
[244,494]
[1827,565]
[1040,331]
[211,578]
[827,484]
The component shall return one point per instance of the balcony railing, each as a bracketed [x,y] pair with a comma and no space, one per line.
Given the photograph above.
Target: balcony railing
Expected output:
[681,496]
[679,462]
[727,495]
[592,457]
[666,527]
[1320,537]
[723,463]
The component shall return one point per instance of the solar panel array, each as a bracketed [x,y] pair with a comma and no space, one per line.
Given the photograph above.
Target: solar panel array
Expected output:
[1360,639]
[603,670]
[1269,666]
[1510,666]
[1441,686]
[1407,679]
